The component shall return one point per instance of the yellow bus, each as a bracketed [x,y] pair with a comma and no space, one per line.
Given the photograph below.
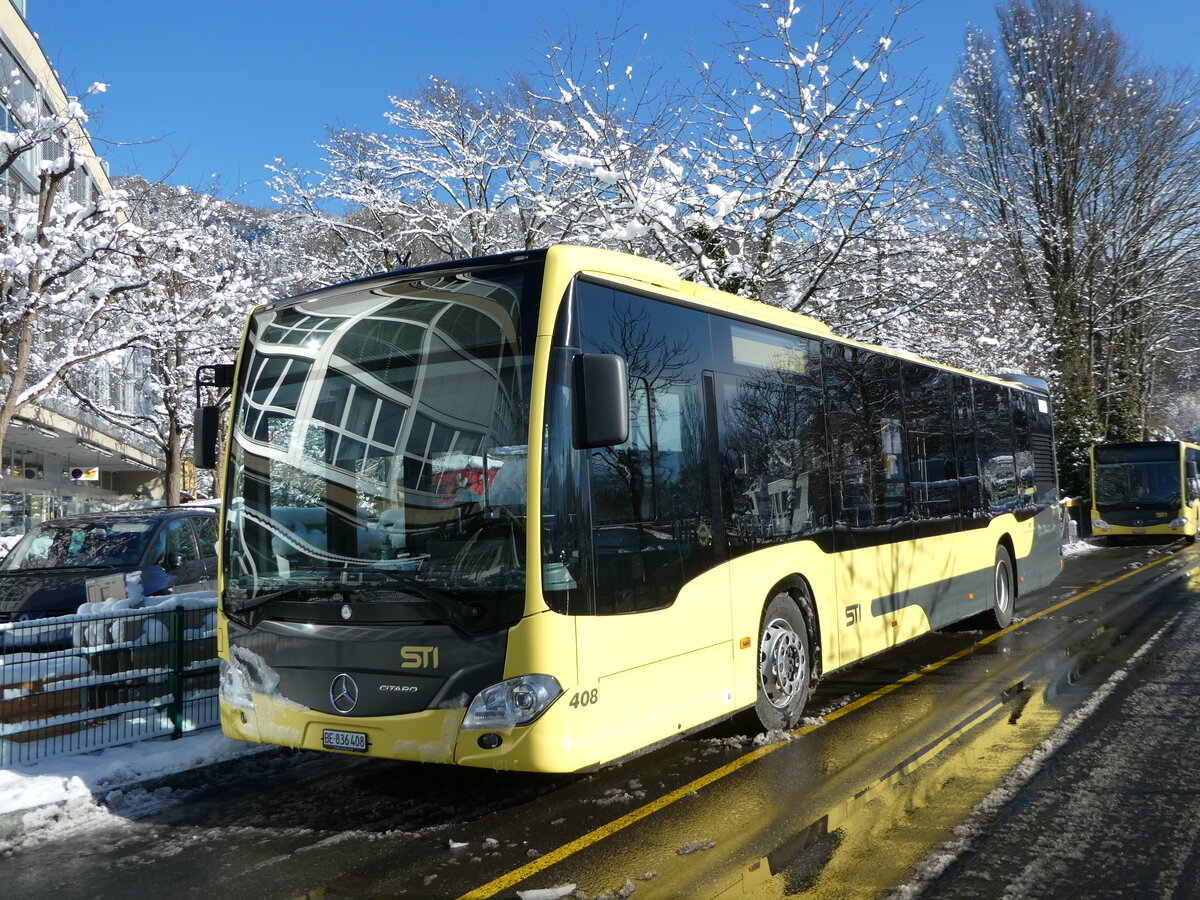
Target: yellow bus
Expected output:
[1145,488]
[545,510]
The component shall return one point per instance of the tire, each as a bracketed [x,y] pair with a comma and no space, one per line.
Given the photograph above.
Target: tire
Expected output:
[1003,593]
[785,668]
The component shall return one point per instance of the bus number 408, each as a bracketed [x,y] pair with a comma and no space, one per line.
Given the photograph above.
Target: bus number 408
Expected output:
[586,698]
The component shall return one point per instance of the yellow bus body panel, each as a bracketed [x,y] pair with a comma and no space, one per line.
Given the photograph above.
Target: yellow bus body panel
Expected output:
[857,578]
[428,736]
[1190,528]
[597,722]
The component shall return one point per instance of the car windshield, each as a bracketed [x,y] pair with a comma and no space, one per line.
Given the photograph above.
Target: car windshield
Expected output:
[54,545]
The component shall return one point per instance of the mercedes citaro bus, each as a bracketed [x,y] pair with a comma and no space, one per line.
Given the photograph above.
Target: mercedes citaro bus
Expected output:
[544,510]
[1146,488]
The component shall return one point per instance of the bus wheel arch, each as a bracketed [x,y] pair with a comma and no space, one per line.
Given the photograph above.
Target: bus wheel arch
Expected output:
[798,588]
[786,661]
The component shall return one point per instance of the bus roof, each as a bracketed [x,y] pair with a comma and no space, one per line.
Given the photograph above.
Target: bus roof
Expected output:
[638,270]
[631,269]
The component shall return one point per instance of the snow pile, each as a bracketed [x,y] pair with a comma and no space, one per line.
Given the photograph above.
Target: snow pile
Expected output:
[46,799]
[1078,547]
[554,893]
[22,668]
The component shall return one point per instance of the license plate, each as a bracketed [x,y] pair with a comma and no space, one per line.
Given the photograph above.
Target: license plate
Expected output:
[344,740]
[1139,531]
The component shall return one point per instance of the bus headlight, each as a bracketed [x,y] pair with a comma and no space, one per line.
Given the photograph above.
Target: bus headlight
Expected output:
[1100,524]
[517,701]
[1180,523]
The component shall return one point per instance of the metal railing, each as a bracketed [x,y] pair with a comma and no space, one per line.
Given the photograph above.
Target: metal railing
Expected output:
[85,682]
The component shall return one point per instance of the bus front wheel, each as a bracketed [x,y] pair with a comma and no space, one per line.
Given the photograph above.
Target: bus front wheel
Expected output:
[1003,595]
[784,665]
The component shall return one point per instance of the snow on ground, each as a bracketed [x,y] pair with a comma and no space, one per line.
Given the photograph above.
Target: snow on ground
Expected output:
[72,792]
[1078,547]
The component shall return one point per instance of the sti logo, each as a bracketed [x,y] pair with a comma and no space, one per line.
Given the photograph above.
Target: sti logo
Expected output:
[852,615]
[419,657]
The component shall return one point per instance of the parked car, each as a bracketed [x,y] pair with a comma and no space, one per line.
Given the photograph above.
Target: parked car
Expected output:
[64,563]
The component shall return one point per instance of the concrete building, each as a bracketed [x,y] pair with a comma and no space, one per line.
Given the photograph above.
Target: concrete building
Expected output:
[58,458]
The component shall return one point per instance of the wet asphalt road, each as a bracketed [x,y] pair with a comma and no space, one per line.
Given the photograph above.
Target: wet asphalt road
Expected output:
[960,765]
[1115,811]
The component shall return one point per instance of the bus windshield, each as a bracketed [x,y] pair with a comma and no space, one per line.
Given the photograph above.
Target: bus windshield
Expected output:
[1138,475]
[1125,483]
[379,446]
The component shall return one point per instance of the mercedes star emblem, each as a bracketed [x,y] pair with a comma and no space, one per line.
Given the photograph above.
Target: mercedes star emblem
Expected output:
[343,693]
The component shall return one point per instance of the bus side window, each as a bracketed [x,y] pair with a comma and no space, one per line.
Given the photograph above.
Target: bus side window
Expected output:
[623,475]
[996,447]
[866,437]
[933,478]
[965,451]
[1022,450]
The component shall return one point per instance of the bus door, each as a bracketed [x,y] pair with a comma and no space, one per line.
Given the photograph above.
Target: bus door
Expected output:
[656,634]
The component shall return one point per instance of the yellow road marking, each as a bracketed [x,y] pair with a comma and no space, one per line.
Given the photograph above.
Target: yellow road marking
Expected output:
[596,835]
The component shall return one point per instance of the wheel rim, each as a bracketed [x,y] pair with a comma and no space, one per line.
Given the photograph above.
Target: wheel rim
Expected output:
[781,663]
[1003,588]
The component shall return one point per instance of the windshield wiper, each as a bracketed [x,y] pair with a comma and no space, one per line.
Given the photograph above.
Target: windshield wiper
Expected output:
[448,604]
[297,592]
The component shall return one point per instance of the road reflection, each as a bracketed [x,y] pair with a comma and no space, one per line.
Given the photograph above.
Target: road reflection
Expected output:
[776,831]
[905,810]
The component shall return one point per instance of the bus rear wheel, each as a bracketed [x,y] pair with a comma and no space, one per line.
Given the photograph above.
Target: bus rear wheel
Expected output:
[1003,594]
[784,665]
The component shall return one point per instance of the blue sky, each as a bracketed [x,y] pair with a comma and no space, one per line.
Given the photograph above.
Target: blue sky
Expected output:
[227,85]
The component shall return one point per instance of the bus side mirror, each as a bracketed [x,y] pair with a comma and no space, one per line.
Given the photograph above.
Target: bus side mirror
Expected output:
[206,425]
[206,420]
[601,401]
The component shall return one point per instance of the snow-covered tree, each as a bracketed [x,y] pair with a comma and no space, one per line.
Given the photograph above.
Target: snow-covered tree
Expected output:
[793,146]
[454,174]
[1085,167]
[196,258]
[68,258]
